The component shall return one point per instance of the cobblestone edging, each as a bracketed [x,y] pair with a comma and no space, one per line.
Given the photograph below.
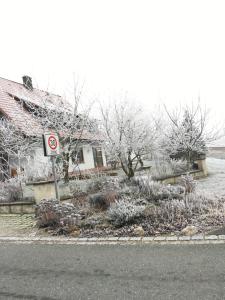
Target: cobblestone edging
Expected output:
[196,239]
[15,222]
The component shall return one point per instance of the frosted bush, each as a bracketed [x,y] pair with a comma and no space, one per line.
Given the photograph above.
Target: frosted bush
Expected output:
[3,192]
[161,168]
[188,182]
[154,190]
[165,167]
[178,213]
[101,182]
[131,191]
[123,212]
[51,212]
[96,183]
[102,200]
[11,190]
[171,211]
[202,203]
[178,166]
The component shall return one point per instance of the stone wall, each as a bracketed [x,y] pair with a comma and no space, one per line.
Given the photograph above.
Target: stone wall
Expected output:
[202,166]
[17,208]
[175,179]
[46,189]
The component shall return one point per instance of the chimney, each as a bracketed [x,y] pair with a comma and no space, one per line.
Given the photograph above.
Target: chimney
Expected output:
[27,82]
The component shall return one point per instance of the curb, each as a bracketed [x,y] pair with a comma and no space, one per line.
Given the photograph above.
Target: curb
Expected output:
[195,239]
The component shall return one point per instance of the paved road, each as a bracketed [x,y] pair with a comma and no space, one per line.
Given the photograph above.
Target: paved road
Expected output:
[215,182]
[50,272]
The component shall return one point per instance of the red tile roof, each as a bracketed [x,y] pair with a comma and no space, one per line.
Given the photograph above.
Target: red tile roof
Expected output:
[13,110]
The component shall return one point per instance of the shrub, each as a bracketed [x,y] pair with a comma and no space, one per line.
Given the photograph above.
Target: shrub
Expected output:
[188,182]
[96,220]
[123,212]
[74,188]
[102,182]
[178,166]
[130,191]
[176,214]
[140,201]
[203,203]
[102,200]
[155,191]
[79,195]
[163,167]
[160,168]
[96,184]
[3,193]
[11,190]
[98,201]
[171,212]
[50,212]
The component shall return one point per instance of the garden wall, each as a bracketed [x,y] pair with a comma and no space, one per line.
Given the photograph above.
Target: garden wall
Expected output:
[17,208]
[199,173]
[46,189]
[175,179]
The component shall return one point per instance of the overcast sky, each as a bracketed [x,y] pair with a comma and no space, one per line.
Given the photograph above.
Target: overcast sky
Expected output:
[167,51]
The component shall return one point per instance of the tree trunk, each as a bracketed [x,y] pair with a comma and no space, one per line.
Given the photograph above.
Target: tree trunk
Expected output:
[123,167]
[130,167]
[141,161]
[128,170]
[189,161]
[130,173]
[66,159]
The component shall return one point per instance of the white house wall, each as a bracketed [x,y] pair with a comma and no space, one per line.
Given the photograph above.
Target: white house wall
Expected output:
[104,157]
[35,165]
[39,165]
[88,160]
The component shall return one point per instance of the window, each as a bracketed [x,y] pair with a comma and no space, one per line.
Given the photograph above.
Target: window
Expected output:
[98,160]
[78,156]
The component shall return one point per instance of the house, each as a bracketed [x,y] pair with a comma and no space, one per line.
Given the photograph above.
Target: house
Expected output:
[14,100]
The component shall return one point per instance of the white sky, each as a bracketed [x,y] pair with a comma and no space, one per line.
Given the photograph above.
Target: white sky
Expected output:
[163,50]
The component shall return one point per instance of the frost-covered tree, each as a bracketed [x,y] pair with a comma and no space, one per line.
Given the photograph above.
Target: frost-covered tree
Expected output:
[73,127]
[14,146]
[128,135]
[187,134]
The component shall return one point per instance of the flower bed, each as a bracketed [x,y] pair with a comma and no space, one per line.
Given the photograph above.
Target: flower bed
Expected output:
[136,207]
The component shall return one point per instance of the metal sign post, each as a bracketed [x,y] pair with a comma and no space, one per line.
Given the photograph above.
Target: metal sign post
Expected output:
[55,179]
[51,148]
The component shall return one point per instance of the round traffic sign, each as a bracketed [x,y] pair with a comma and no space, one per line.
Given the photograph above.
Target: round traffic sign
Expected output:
[52,142]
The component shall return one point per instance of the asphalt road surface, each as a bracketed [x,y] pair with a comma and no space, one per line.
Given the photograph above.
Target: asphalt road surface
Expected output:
[50,272]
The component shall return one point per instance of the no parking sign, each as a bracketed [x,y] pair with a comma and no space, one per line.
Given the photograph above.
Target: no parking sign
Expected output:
[51,144]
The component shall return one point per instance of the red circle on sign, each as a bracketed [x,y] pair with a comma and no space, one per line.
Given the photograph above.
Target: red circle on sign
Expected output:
[52,142]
